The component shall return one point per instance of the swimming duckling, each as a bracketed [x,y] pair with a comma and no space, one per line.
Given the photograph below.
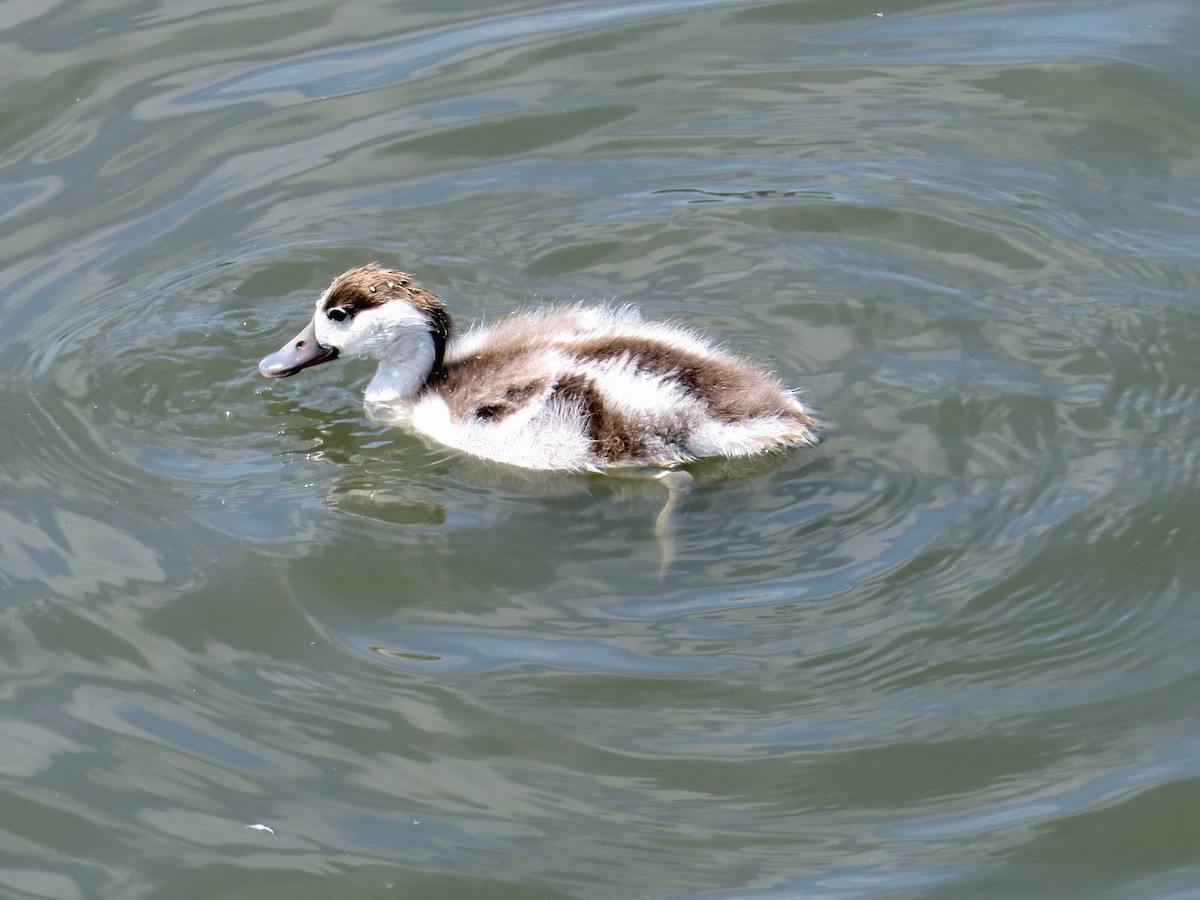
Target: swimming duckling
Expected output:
[567,387]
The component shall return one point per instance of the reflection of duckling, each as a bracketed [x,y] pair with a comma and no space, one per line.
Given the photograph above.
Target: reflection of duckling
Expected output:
[569,387]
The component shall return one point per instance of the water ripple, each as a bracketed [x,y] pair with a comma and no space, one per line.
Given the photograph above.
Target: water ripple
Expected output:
[937,655]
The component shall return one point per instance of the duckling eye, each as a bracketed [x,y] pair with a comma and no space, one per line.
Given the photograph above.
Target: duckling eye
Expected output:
[337,314]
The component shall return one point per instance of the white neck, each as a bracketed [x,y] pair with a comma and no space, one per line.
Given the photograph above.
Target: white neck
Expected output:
[401,376]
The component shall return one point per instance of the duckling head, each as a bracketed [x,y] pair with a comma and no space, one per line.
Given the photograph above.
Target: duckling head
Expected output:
[374,312]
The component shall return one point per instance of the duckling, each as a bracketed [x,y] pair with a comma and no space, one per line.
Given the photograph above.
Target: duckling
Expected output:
[566,387]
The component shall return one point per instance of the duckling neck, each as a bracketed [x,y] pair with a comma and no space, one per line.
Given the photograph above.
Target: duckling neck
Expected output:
[399,378]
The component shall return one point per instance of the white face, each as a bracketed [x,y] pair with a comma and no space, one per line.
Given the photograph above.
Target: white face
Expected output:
[395,330]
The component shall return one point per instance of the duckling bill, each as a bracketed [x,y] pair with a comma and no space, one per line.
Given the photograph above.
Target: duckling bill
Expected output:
[568,387]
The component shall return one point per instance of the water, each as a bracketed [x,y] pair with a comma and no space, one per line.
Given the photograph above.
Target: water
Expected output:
[951,651]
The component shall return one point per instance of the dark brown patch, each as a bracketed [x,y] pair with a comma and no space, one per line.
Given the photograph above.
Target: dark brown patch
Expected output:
[440,327]
[512,400]
[615,438]
[731,388]
[490,385]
